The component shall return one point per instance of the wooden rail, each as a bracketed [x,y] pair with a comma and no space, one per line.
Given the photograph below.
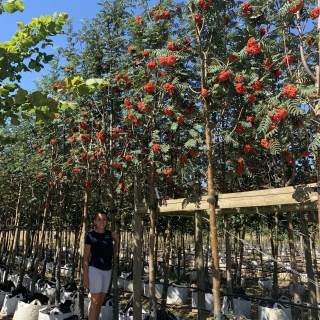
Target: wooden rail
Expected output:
[295,198]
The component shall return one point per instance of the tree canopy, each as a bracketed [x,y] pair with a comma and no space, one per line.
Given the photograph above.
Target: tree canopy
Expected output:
[196,97]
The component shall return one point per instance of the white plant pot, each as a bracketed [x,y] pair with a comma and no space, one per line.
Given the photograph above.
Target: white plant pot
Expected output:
[158,289]
[301,289]
[178,294]
[193,275]
[208,300]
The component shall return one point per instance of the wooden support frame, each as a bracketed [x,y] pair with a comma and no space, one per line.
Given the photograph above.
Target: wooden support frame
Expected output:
[296,198]
[301,198]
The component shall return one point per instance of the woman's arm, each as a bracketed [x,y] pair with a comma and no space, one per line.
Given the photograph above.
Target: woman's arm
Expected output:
[86,257]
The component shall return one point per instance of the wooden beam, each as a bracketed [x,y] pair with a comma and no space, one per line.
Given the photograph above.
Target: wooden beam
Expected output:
[296,198]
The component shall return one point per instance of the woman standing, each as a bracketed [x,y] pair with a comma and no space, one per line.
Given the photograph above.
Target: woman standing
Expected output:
[97,265]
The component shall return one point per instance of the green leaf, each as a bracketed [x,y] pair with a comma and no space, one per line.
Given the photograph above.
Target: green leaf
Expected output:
[10,6]
[193,133]
[83,89]
[48,58]
[4,92]
[64,106]
[274,147]
[174,126]
[21,96]
[19,5]
[36,98]
[191,143]
[32,64]
[11,87]
[315,145]
[90,82]
[14,120]
[72,105]
[76,80]
[165,148]
[25,116]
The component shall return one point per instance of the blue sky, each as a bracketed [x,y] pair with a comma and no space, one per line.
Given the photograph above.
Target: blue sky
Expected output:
[35,8]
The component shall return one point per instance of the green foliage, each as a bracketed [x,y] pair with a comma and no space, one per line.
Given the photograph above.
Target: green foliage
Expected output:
[99,73]
[22,53]
[315,145]
[11,6]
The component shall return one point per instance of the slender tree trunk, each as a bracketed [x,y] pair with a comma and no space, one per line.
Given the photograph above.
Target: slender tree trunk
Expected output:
[11,256]
[45,256]
[200,266]
[75,254]
[152,280]
[260,247]
[293,259]
[228,255]
[314,258]
[275,252]
[179,249]
[84,228]
[63,196]
[137,252]
[40,245]
[236,248]
[25,251]
[166,265]
[241,248]
[212,213]
[308,258]
[156,250]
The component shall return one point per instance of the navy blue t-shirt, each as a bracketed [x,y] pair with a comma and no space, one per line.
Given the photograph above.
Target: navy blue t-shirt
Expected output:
[101,249]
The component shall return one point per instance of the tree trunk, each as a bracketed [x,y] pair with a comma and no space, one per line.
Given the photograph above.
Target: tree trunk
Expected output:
[275,252]
[228,255]
[40,245]
[58,247]
[166,265]
[152,280]
[156,250]
[314,258]
[137,252]
[11,257]
[179,244]
[82,239]
[296,295]
[200,266]
[241,248]
[308,258]
[25,251]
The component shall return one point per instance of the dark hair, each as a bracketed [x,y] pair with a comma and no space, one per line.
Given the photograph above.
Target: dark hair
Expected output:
[100,212]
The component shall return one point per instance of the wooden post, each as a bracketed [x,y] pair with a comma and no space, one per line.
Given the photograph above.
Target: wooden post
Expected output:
[200,266]
[137,252]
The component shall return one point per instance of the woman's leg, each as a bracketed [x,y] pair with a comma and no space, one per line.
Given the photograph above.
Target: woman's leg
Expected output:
[96,279]
[95,305]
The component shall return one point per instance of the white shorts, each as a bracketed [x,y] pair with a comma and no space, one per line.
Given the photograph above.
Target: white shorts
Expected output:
[99,280]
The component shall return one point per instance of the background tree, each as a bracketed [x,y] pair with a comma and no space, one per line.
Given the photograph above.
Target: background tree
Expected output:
[23,53]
